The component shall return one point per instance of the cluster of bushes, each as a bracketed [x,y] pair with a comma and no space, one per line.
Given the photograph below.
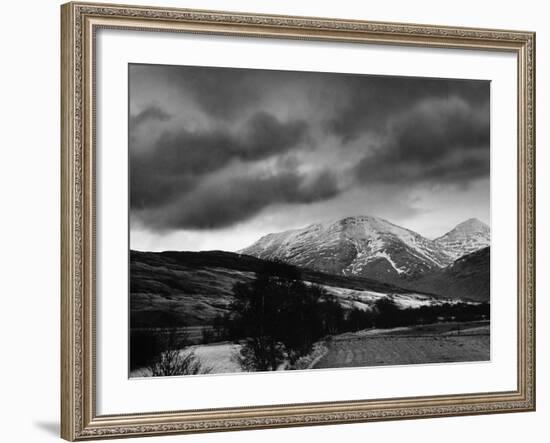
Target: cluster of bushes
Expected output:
[177,362]
[386,314]
[160,351]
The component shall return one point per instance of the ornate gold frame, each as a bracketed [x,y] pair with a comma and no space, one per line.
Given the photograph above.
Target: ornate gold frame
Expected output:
[79,420]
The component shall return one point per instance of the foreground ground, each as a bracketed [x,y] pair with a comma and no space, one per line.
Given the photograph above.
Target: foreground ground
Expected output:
[435,343]
[439,343]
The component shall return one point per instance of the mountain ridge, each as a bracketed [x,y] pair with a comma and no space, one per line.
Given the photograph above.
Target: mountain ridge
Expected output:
[370,247]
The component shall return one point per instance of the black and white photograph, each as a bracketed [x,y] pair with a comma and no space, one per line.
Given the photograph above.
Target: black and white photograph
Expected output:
[290,220]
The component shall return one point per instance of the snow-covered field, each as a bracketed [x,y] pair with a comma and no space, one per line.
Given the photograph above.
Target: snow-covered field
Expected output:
[218,357]
[365,300]
[221,358]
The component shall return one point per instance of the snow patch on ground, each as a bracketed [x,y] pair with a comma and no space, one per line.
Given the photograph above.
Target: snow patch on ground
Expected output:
[385,255]
[365,300]
[221,358]
[319,350]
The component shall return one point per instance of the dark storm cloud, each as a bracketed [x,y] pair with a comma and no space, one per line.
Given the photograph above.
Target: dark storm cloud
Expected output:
[199,152]
[370,101]
[228,143]
[228,93]
[179,159]
[151,113]
[237,199]
[439,141]
[221,92]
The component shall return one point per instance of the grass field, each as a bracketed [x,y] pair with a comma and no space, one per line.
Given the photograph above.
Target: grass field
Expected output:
[439,343]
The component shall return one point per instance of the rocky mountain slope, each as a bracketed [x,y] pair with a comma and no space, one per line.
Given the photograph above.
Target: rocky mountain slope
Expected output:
[370,247]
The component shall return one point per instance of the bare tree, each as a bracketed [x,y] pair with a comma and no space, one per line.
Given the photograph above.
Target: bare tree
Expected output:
[176,362]
[176,359]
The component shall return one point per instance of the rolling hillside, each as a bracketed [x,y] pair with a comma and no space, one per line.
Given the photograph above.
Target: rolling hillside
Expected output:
[192,288]
[467,278]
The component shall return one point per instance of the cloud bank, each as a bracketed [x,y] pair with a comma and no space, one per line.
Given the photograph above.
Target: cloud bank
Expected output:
[216,148]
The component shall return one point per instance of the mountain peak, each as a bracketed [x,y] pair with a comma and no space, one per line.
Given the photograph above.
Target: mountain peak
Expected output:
[467,227]
[361,245]
[353,220]
[368,220]
[369,246]
[466,237]
[472,223]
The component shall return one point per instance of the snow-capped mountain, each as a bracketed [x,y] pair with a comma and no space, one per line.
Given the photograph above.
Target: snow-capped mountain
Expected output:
[467,237]
[370,247]
[363,246]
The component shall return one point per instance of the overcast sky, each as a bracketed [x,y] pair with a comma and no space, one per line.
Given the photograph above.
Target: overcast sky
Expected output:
[220,157]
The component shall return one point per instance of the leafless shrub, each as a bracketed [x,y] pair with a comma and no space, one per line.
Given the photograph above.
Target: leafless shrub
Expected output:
[174,362]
